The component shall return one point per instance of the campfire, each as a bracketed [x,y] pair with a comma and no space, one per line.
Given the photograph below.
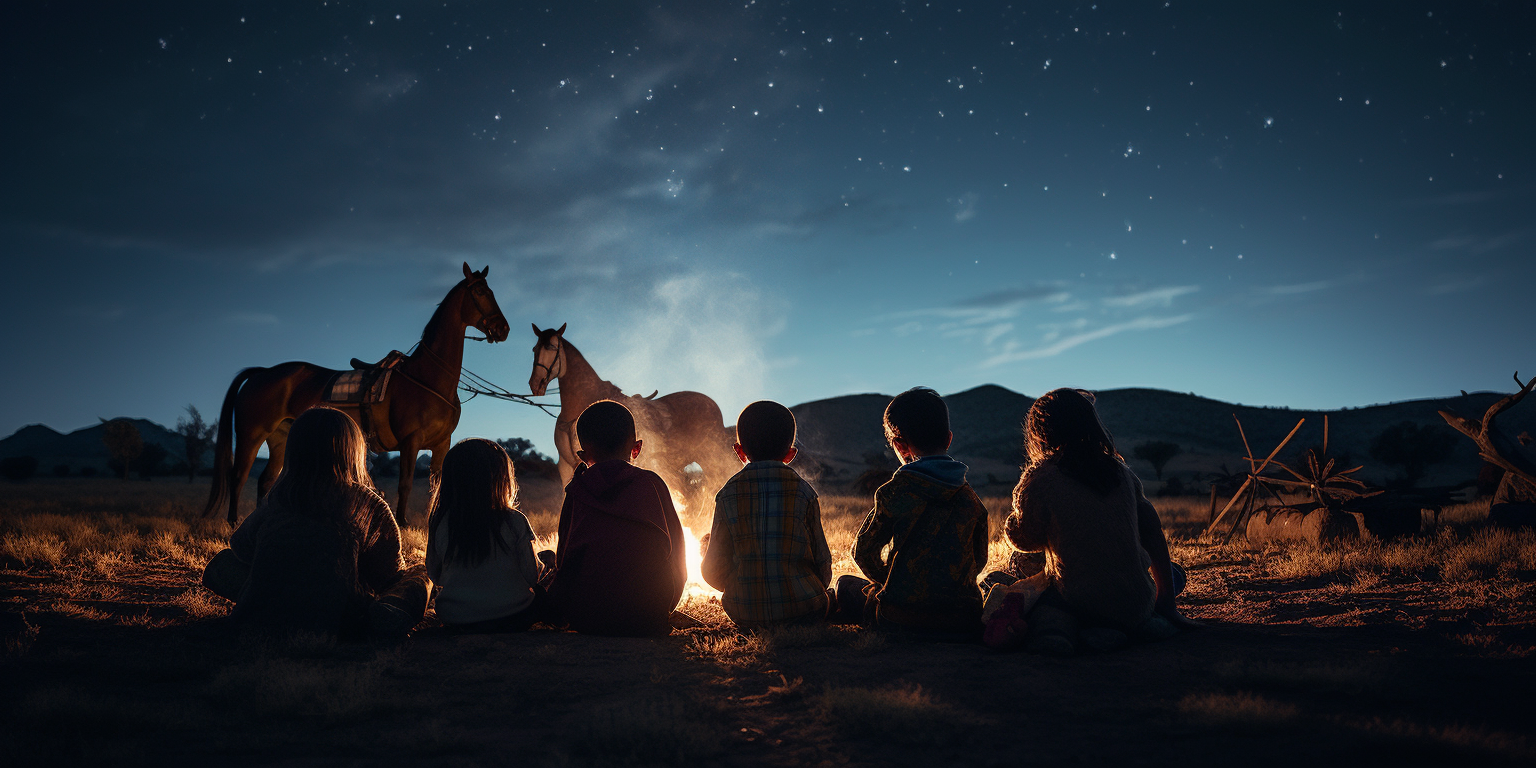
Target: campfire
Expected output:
[696,584]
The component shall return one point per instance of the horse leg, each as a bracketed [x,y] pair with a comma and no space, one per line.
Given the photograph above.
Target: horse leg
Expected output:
[277,445]
[407,476]
[565,449]
[246,445]
[435,474]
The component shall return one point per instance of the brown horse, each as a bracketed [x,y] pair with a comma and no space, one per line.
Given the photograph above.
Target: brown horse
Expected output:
[420,409]
[680,430]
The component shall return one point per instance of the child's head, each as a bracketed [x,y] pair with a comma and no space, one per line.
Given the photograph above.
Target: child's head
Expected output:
[1063,424]
[477,489]
[765,431]
[325,453]
[917,424]
[606,430]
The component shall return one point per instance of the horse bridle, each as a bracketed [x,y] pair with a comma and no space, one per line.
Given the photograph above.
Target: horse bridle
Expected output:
[553,361]
[484,317]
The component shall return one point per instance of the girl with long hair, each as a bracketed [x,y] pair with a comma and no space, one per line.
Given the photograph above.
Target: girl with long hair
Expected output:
[1103,542]
[479,545]
[321,553]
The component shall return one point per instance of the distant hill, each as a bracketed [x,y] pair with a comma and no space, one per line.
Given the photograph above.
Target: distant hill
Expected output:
[838,433]
[84,447]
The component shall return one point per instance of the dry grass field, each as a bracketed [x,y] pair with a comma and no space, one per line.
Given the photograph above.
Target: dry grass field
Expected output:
[1414,651]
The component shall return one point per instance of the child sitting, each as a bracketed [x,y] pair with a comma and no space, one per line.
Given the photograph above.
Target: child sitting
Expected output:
[479,546]
[1081,505]
[621,562]
[766,551]
[321,553]
[935,524]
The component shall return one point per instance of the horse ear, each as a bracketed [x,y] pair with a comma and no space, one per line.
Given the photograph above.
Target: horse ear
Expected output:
[561,332]
[468,273]
[535,329]
[485,271]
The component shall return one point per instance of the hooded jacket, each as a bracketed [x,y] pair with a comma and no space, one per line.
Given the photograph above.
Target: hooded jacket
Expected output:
[938,530]
[621,562]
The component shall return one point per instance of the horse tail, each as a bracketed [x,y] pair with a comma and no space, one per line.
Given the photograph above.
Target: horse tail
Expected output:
[223,448]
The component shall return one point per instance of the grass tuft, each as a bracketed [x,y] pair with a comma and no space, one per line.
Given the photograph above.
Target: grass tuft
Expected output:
[1237,711]
[901,713]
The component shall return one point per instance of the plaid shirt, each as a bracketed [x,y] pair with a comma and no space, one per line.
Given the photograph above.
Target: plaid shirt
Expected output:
[767,552]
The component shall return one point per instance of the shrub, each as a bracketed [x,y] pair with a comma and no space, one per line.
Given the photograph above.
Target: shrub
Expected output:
[18,468]
[1413,447]
[1157,453]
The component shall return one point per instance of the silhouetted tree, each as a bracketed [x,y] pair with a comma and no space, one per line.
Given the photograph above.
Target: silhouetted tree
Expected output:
[1157,453]
[196,437]
[18,468]
[529,462]
[521,448]
[1413,447]
[123,442]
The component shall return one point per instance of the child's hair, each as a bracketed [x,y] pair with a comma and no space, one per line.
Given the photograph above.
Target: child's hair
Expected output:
[1064,425]
[323,467]
[766,431]
[605,427]
[473,496]
[919,417]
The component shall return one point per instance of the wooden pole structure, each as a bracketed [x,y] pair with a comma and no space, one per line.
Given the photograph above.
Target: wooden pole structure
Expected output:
[1253,474]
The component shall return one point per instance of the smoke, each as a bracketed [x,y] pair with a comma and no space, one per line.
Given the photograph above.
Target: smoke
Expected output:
[702,332]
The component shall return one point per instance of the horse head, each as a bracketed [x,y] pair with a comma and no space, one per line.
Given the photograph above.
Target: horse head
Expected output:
[480,309]
[548,358]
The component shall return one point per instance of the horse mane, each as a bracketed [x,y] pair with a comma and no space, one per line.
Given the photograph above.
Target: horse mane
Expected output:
[437,314]
[607,389]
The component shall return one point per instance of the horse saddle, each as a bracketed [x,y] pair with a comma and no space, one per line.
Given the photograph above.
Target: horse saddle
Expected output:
[366,383]
[390,360]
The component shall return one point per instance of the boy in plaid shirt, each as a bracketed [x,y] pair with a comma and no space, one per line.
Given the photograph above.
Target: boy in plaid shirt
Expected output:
[766,551]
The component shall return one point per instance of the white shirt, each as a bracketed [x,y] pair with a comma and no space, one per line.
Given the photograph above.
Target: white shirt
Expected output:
[494,589]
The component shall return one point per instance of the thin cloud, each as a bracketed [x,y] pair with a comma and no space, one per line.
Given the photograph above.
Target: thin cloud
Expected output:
[1476,244]
[1011,354]
[1158,296]
[1291,290]
[1011,296]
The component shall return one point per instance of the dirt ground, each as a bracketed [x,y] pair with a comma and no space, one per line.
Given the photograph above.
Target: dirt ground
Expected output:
[123,659]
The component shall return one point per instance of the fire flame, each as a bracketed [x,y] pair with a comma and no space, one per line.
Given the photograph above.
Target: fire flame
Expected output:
[696,586]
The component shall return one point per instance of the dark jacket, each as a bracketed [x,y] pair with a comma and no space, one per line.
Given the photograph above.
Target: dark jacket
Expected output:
[312,574]
[938,527]
[621,562]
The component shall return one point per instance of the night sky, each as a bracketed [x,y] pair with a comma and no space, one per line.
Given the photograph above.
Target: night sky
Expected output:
[1281,203]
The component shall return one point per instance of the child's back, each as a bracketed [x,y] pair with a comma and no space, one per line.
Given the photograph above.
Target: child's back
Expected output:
[937,527]
[1091,541]
[621,560]
[767,552]
[498,586]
